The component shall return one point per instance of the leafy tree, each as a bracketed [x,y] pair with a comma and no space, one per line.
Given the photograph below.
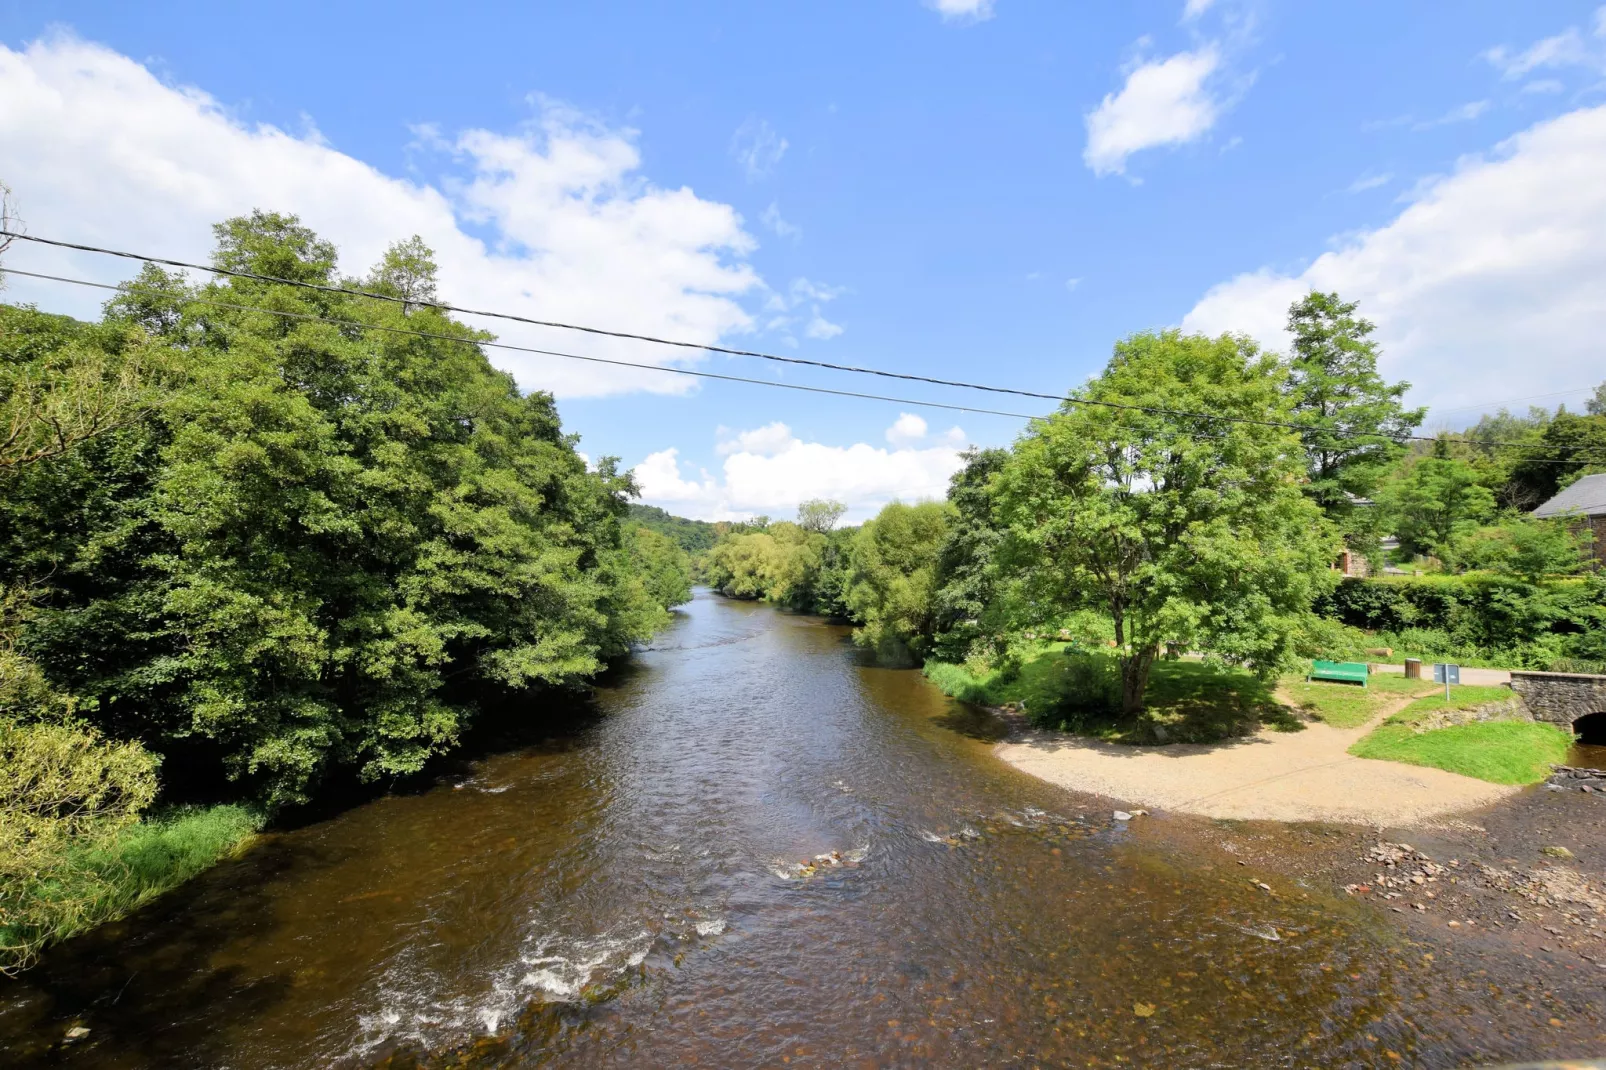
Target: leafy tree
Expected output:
[316,552]
[893,565]
[693,536]
[964,586]
[1570,446]
[1526,547]
[1185,531]
[819,515]
[1596,405]
[1361,425]
[1436,502]
[663,566]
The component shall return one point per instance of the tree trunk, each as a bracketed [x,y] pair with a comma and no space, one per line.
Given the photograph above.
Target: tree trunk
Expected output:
[1135,679]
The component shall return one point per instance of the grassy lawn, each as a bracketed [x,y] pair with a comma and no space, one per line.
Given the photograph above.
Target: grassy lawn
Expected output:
[1347,705]
[1188,701]
[1501,752]
[1465,697]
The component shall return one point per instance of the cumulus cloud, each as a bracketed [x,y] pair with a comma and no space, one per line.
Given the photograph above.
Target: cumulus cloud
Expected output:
[962,10]
[1164,102]
[553,219]
[758,148]
[1492,277]
[1194,8]
[769,470]
[906,430]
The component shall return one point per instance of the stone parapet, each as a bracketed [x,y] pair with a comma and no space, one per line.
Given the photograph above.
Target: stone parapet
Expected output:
[1560,697]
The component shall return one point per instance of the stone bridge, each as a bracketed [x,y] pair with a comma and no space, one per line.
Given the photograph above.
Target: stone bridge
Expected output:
[1572,699]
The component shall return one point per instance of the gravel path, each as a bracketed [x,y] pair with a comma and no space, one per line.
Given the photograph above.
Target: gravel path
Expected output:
[1272,776]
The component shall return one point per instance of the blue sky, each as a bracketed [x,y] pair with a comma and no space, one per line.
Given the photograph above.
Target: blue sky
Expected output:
[992,191]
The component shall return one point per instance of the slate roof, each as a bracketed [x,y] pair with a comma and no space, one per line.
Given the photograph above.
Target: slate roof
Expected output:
[1587,497]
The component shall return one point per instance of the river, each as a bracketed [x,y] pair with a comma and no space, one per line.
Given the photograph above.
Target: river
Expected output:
[633,891]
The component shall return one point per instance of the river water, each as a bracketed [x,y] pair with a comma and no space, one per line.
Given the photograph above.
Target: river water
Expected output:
[642,889]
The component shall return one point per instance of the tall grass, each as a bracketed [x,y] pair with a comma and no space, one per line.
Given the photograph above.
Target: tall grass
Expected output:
[86,888]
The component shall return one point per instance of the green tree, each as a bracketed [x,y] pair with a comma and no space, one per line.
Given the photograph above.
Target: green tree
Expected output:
[893,564]
[1570,446]
[1360,423]
[1596,405]
[1185,531]
[1436,502]
[316,552]
[663,566]
[1529,548]
[965,594]
[820,515]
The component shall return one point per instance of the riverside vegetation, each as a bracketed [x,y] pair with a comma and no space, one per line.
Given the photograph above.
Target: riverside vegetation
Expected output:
[1131,571]
[253,543]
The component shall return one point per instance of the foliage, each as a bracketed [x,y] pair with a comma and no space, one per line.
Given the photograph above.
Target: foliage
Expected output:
[1436,502]
[693,536]
[1570,446]
[820,515]
[1185,531]
[893,565]
[966,610]
[1073,689]
[326,540]
[1596,405]
[661,565]
[100,879]
[1501,752]
[1360,423]
[1531,549]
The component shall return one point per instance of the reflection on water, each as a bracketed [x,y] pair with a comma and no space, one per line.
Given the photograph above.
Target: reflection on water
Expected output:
[760,852]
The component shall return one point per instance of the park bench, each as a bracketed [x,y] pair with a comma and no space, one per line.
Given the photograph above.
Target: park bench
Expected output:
[1352,672]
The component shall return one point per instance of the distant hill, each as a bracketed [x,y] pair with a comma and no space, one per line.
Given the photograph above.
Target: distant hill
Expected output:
[694,536]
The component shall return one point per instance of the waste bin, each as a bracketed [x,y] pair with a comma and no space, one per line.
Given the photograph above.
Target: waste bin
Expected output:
[1413,668]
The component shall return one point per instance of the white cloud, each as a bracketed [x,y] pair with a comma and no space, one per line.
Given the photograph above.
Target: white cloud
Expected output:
[779,472]
[962,10]
[101,151]
[1194,8]
[906,430]
[1366,182]
[771,218]
[1164,102]
[1491,279]
[1570,48]
[1072,284]
[802,302]
[1465,113]
[758,148]
[764,441]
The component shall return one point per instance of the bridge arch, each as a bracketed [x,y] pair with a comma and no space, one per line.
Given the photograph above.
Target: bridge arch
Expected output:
[1591,728]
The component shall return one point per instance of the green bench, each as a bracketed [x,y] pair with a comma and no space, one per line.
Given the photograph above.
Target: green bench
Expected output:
[1349,672]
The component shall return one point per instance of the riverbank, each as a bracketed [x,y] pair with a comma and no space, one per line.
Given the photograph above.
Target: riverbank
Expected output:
[91,888]
[1308,775]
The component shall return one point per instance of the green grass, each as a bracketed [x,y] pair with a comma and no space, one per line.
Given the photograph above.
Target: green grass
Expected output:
[1501,752]
[1464,697]
[1187,700]
[92,887]
[1348,705]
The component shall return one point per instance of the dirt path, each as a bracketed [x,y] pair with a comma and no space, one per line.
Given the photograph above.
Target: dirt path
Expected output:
[1275,776]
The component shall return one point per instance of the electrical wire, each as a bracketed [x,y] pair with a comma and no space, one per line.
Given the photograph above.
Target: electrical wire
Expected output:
[1306,429]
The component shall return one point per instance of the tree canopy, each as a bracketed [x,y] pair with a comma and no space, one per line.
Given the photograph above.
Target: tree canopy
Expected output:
[1191,533]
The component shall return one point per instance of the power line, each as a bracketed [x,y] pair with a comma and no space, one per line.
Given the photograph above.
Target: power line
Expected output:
[437,336]
[1376,439]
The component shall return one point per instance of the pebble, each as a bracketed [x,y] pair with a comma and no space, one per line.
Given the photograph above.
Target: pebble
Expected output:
[77,1032]
[1122,815]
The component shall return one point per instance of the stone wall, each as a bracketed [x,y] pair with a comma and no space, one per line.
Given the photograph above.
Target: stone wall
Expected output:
[1560,697]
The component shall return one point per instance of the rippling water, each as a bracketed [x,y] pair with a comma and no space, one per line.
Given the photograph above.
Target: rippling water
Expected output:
[758,852]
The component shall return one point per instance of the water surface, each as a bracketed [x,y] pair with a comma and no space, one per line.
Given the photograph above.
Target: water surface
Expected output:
[645,889]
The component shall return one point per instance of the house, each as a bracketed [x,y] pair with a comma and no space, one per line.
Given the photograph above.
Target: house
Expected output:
[1584,502]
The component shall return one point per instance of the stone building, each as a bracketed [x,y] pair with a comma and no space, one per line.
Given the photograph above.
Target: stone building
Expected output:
[1584,503]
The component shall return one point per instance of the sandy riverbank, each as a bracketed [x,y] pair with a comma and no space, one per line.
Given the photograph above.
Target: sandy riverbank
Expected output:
[1274,776]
